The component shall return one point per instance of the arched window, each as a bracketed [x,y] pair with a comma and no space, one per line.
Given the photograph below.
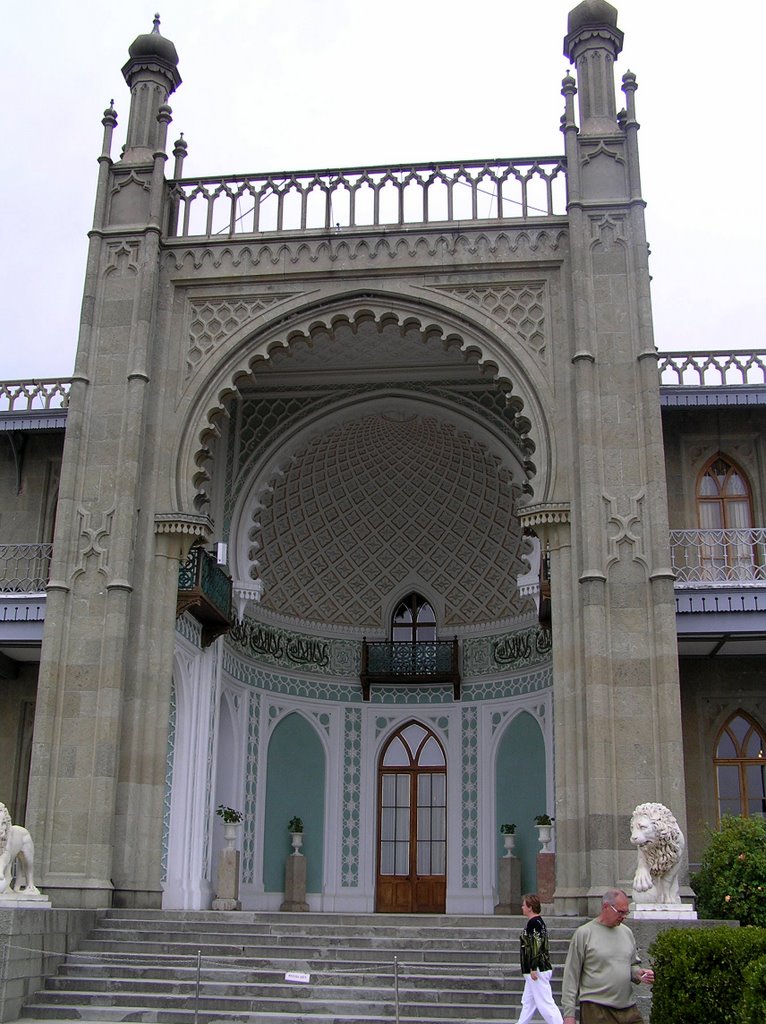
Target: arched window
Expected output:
[725,512]
[740,768]
[413,620]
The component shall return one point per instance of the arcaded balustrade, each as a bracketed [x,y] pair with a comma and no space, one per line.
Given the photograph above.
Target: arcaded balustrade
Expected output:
[27,395]
[24,568]
[712,369]
[368,197]
[719,556]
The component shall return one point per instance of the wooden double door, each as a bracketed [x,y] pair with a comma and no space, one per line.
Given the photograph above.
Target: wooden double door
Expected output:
[412,824]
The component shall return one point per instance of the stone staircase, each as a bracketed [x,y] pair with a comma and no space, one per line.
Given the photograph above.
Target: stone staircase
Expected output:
[178,967]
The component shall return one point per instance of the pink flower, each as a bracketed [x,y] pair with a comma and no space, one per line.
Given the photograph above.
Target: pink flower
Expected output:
[727,899]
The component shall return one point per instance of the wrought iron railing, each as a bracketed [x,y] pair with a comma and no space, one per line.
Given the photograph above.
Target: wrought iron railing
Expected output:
[28,395]
[24,568]
[387,661]
[712,369]
[330,200]
[201,574]
[716,557]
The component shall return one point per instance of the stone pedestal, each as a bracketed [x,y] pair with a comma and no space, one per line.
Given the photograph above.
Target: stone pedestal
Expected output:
[546,877]
[227,889]
[20,901]
[509,886]
[662,912]
[295,883]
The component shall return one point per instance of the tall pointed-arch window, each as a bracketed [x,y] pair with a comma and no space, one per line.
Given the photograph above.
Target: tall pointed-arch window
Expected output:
[413,620]
[740,768]
[725,512]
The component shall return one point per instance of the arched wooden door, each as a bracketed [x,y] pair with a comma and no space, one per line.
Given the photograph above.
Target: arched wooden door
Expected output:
[412,824]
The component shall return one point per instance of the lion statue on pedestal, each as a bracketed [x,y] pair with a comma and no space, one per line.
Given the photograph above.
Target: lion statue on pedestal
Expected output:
[16,845]
[660,844]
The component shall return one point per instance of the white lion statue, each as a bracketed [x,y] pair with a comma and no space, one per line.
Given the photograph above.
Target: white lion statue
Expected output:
[16,845]
[660,844]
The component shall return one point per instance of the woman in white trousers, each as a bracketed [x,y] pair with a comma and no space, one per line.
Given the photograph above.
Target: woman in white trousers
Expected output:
[536,966]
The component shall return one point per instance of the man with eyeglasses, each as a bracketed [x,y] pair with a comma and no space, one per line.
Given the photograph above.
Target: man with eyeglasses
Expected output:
[602,964]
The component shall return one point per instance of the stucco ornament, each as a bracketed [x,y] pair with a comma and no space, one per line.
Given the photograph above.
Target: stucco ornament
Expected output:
[660,844]
[16,845]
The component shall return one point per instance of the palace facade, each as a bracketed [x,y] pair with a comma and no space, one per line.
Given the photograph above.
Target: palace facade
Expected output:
[371,501]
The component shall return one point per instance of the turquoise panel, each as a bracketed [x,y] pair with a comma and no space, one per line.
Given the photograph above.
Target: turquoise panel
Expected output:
[520,791]
[295,787]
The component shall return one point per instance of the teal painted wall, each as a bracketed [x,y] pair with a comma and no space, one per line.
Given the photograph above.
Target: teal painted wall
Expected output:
[295,785]
[520,791]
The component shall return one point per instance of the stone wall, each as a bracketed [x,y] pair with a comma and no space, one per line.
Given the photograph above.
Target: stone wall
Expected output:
[34,943]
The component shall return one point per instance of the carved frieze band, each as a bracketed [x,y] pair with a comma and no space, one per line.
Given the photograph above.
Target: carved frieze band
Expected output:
[519,307]
[406,247]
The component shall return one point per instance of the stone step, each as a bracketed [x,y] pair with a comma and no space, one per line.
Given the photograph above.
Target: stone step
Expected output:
[231,937]
[435,1007]
[143,966]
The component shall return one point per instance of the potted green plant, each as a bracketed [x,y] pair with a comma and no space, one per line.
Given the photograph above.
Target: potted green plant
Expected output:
[508,832]
[295,828]
[229,815]
[544,826]
[231,820]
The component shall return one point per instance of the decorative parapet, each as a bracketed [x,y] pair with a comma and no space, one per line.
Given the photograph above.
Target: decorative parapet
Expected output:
[374,197]
[547,513]
[29,395]
[184,524]
[712,369]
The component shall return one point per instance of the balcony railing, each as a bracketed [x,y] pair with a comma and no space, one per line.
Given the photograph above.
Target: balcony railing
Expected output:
[719,557]
[374,197]
[25,568]
[30,395]
[712,369]
[204,590]
[387,661]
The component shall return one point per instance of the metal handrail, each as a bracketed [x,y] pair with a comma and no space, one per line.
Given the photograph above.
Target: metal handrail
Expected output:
[25,568]
[719,556]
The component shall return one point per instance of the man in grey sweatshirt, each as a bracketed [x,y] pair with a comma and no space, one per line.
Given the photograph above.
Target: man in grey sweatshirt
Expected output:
[602,965]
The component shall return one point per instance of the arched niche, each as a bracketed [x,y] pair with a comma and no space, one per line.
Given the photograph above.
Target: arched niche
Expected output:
[520,790]
[295,787]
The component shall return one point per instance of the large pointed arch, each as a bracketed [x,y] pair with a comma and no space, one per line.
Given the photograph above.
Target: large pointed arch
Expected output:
[206,404]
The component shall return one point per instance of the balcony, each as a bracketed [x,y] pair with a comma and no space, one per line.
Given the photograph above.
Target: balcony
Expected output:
[411,664]
[24,568]
[24,572]
[204,590]
[720,591]
[719,557]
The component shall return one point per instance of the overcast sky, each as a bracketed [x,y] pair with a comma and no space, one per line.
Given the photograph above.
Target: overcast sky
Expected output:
[298,84]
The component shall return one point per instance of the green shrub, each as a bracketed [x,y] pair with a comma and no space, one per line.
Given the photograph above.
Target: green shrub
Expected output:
[752,1009]
[731,882]
[698,973]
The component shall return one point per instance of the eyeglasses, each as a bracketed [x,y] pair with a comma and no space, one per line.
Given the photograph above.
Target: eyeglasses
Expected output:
[622,913]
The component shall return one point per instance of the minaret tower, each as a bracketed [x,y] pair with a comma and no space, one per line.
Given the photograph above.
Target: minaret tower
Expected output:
[97,777]
[618,719]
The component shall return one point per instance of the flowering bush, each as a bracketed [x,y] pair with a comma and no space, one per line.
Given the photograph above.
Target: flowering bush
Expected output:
[731,882]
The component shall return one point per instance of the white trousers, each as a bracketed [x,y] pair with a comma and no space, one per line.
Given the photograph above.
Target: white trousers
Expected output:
[537,996]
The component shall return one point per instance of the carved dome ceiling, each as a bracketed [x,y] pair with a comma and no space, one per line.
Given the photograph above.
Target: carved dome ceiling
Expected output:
[382,504]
